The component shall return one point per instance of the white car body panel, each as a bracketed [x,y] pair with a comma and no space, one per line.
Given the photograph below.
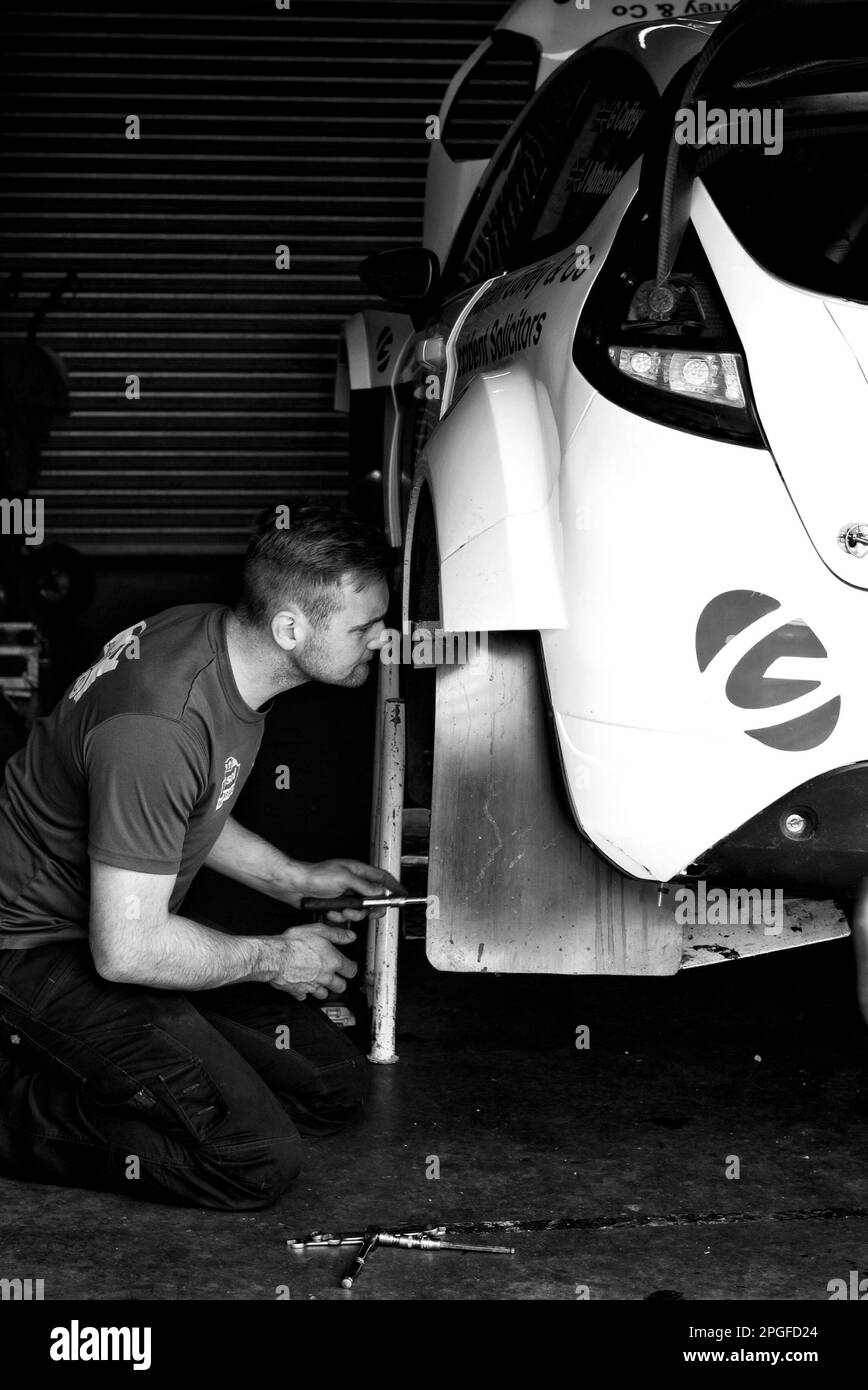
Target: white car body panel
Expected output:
[499,522]
[555,510]
[560,30]
[637,720]
[797,343]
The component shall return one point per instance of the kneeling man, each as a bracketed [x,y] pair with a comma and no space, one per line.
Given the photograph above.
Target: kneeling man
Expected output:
[140,1050]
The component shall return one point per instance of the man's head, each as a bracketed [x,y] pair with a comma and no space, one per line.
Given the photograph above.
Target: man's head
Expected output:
[315,591]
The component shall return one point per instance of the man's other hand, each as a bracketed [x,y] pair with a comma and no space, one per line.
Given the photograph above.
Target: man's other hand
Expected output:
[305,960]
[333,877]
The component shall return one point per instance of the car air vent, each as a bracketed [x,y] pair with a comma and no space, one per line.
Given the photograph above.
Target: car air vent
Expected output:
[492,94]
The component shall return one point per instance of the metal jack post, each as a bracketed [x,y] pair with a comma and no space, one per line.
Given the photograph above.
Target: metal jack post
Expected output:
[381,974]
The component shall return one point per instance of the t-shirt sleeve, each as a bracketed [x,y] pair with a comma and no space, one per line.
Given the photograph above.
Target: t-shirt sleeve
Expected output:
[144,776]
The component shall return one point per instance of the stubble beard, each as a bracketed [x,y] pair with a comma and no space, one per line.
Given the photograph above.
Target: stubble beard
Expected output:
[315,668]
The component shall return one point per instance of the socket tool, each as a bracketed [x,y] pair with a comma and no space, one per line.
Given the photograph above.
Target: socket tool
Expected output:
[356,902]
[367,1241]
[425,1243]
[320,1240]
[374,1238]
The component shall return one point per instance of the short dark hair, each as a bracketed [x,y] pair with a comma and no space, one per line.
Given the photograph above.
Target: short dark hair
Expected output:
[301,554]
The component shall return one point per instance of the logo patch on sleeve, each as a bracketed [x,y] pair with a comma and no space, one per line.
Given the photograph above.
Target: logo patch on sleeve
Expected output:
[230,776]
[124,643]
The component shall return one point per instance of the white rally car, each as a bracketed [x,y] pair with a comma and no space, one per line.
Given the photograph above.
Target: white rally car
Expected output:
[485,97]
[631,423]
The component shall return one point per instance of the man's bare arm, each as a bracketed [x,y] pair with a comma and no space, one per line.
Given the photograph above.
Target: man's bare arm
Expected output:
[134,939]
[241,855]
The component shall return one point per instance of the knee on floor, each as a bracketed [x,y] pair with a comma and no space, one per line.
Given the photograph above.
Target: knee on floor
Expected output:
[247,1176]
[343,1086]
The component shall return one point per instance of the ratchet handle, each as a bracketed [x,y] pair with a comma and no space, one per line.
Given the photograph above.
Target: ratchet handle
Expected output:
[358,903]
[351,900]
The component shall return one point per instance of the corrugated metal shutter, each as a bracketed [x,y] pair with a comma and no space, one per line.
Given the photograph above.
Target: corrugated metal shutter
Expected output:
[492,96]
[259,127]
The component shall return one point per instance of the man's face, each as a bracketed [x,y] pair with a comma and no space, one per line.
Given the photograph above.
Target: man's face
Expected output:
[339,651]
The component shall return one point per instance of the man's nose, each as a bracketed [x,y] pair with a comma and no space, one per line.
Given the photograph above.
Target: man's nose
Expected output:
[378,638]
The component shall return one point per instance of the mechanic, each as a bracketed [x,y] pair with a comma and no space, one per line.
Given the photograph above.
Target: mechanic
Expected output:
[143,1051]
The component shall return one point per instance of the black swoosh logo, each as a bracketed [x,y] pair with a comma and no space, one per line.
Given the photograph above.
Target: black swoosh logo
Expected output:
[748,686]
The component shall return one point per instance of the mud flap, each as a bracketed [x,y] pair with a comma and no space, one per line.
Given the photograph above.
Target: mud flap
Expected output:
[519,890]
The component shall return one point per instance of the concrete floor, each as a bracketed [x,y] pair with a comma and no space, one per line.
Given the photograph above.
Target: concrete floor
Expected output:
[604,1167]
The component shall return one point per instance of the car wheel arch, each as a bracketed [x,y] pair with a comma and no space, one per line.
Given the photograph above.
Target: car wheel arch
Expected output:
[500,546]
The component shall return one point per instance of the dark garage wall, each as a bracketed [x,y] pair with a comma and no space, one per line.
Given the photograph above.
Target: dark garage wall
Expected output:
[258,127]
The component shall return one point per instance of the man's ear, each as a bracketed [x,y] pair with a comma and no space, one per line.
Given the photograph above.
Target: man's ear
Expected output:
[287,629]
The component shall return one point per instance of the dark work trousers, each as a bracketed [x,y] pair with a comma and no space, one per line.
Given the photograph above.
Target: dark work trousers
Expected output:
[197,1099]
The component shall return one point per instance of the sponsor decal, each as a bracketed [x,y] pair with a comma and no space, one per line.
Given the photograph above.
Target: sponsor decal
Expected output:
[595,176]
[125,643]
[383,348]
[517,329]
[669,9]
[619,114]
[523,285]
[748,687]
[500,339]
[230,777]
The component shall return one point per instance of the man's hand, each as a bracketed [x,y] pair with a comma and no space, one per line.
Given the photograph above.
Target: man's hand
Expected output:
[333,877]
[305,960]
[249,859]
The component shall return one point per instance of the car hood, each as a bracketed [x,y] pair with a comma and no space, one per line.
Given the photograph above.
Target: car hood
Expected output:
[807,361]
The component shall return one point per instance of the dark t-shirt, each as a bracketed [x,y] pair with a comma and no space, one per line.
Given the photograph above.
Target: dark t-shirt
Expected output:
[138,766]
